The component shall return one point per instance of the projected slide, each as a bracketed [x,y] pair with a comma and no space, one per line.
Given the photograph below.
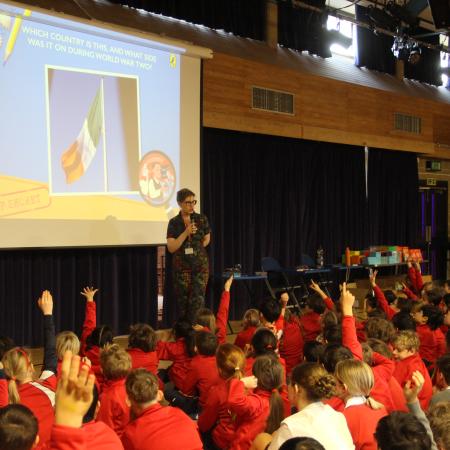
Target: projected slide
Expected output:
[90,123]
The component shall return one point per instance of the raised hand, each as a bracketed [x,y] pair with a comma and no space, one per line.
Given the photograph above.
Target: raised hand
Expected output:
[45,303]
[74,393]
[413,387]
[347,301]
[315,287]
[228,284]
[89,293]
[373,278]
[284,299]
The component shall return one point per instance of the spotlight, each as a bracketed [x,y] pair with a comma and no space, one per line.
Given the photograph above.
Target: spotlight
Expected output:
[414,54]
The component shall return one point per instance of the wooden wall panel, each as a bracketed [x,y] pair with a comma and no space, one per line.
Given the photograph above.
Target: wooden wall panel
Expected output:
[325,109]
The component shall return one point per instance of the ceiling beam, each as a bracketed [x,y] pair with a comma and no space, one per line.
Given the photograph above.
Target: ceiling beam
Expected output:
[415,7]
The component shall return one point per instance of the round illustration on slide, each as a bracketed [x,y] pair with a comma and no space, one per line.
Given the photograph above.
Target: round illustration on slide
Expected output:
[157,178]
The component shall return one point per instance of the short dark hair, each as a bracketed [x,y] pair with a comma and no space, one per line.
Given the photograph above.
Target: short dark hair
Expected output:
[101,336]
[434,315]
[403,321]
[18,427]
[435,295]
[302,443]
[183,194]
[270,309]
[141,386]
[316,303]
[404,304]
[443,364]
[312,351]
[332,354]
[142,336]
[333,334]
[206,343]
[380,329]
[401,431]
[390,296]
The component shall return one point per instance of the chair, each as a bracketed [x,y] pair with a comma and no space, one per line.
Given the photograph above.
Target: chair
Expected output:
[278,281]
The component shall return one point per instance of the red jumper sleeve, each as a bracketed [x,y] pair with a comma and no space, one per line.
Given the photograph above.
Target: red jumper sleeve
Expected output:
[240,403]
[329,303]
[383,366]
[209,415]
[190,382]
[383,303]
[67,438]
[410,294]
[222,317]
[4,399]
[419,280]
[349,338]
[90,322]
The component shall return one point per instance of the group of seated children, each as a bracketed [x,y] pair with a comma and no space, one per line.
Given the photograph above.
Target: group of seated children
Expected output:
[330,376]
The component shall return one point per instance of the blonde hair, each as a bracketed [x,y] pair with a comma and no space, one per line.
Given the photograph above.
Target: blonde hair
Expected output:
[67,340]
[358,379]
[17,367]
[230,361]
[251,318]
[115,362]
[406,340]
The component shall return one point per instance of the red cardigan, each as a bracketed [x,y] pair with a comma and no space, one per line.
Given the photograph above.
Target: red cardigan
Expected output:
[101,437]
[362,422]
[114,410]
[244,337]
[291,344]
[161,428]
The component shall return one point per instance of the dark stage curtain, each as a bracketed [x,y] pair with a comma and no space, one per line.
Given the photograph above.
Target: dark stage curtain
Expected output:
[428,68]
[242,18]
[393,198]
[303,30]
[374,50]
[126,277]
[280,197]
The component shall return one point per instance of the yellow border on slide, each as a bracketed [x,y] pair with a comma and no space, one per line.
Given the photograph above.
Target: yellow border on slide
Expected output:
[47,107]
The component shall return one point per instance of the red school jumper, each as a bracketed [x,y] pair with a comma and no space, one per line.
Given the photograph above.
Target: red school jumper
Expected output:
[244,337]
[432,343]
[291,344]
[114,410]
[403,372]
[362,422]
[216,415]
[161,428]
[201,376]
[176,352]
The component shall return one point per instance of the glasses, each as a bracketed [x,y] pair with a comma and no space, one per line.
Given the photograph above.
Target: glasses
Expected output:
[193,203]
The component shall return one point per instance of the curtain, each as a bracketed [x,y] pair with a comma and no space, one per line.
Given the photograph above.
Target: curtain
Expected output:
[303,30]
[393,200]
[373,50]
[242,18]
[126,278]
[280,197]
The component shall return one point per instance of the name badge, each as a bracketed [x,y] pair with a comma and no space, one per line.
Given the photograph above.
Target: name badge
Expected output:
[188,251]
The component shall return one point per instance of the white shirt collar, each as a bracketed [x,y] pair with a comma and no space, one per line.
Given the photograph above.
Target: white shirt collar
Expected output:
[354,401]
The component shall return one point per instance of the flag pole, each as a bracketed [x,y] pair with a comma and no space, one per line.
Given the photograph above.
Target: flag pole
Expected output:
[105,161]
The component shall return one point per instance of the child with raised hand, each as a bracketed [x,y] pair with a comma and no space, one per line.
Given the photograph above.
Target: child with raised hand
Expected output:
[38,395]
[215,421]
[406,353]
[383,368]
[154,427]
[310,384]
[263,409]
[94,338]
[428,320]
[65,341]
[361,411]
[114,409]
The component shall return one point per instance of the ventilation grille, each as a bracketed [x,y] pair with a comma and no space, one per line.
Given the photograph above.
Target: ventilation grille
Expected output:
[274,101]
[410,124]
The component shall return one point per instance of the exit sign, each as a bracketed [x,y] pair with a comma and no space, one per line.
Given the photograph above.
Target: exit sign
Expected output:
[433,166]
[431,181]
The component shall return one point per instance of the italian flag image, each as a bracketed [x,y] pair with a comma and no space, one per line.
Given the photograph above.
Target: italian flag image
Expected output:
[77,158]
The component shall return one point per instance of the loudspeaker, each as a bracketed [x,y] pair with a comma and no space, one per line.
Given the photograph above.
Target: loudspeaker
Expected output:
[440,10]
